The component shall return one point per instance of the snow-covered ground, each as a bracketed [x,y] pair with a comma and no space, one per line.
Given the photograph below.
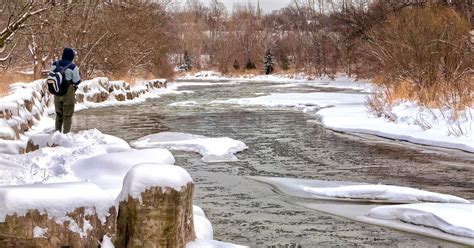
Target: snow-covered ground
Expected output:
[26,105]
[89,168]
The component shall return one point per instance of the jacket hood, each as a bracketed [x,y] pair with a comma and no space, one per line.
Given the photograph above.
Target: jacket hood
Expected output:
[68,54]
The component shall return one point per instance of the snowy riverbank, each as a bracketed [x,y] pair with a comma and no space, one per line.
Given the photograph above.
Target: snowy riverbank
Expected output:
[86,169]
[25,111]
[347,111]
[63,172]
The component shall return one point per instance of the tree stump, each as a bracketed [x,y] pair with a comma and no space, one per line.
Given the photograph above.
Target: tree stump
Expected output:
[159,216]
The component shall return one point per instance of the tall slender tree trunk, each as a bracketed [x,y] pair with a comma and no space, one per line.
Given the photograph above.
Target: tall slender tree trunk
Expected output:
[37,70]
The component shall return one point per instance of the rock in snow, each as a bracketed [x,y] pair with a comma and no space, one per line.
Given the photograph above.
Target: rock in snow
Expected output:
[54,199]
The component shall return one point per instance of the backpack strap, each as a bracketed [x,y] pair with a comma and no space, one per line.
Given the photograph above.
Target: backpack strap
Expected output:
[63,69]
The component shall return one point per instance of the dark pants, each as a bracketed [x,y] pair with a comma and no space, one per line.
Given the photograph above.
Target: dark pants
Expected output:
[64,110]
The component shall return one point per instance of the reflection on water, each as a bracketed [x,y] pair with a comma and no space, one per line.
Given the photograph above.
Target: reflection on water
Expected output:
[282,143]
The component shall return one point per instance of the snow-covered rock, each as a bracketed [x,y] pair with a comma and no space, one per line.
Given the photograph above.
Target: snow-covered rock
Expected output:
[54,199]
[212,149]
[50,215]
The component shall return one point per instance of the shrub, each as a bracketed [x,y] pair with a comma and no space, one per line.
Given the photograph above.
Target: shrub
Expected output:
[430,49]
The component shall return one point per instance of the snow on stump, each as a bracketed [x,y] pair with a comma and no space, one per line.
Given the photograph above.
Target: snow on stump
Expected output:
[55,215]
[155,208]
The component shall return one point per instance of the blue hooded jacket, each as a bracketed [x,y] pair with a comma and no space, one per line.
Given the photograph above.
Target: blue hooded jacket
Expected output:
[71,71]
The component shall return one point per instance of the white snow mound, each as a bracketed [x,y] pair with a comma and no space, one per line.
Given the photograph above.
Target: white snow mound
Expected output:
[384,192]
[53,164]
[456,219]
[109,170]
[202,226]
[212,149]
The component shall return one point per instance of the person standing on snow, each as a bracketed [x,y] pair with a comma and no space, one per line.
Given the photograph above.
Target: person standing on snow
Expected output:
[65,94]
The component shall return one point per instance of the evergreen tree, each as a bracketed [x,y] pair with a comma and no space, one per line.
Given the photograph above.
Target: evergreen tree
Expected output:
[187,65]
[187,61]
[268,64]
[285,63]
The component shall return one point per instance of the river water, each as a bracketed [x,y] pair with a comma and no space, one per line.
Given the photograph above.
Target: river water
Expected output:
[284,143]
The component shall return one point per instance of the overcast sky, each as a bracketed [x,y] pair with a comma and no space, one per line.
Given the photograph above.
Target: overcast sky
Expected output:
[267,5]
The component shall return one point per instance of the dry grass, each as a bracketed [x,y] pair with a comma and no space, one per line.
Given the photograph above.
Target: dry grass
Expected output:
[453,97]
[403,90]
[7,78]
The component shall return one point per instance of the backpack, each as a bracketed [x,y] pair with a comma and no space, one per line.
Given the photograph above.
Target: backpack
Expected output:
[57,84]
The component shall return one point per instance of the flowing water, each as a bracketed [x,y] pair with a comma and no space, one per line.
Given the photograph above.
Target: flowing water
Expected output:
[291,144]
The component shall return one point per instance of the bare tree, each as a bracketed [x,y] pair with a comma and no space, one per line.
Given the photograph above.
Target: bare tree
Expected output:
[16,14]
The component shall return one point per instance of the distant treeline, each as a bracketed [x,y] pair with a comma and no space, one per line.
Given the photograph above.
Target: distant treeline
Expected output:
[411,48]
